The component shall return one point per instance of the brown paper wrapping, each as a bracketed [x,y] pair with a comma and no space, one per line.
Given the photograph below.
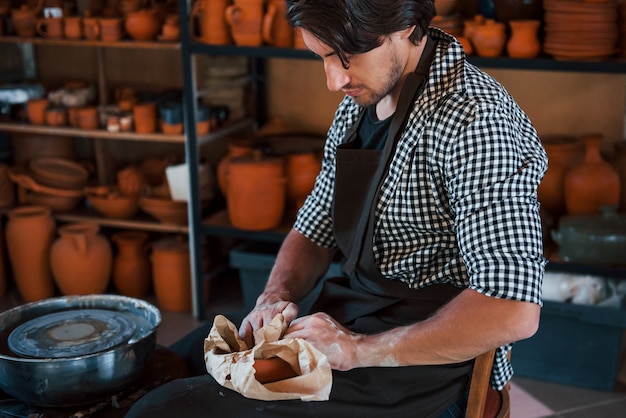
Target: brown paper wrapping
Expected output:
[231,362]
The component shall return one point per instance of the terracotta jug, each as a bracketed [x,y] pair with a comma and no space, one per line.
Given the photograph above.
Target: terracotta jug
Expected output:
[593,183]
[564,152]
[524,39]
[29,236]
[50,27]
[36,110]
[143,24]
[277,31]
[489,39]
[132,274]
[171,275]
[210,16]
[245,18]
[24,19]
[301,170]
[81,259]
[91,28]
[255,194]
[620,167]
[236,148]
[73,27]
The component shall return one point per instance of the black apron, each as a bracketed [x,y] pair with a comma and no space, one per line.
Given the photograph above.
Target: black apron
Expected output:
[364,301]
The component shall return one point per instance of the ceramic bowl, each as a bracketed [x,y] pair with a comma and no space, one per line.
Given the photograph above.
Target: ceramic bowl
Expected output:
[109,202]
[165,210]
[59,173]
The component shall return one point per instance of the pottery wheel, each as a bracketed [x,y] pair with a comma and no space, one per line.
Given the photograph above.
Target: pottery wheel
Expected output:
[71,333]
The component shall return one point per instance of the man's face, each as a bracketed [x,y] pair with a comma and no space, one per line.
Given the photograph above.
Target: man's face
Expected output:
[369,77]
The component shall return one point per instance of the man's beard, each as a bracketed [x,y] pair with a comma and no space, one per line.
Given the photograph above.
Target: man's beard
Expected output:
[393,77]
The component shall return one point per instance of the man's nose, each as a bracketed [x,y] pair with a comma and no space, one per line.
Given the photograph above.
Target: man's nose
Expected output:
[336,76]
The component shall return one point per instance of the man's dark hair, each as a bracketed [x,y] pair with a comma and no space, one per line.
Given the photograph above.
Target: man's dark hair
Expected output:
[356,26]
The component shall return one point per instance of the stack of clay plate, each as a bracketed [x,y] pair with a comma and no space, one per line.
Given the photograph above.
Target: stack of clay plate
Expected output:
[581,30]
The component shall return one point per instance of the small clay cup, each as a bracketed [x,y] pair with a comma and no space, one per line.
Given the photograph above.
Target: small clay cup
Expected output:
[50,27]
[56,116]
[88,117]
[36,110]
[73,27]
[145,117]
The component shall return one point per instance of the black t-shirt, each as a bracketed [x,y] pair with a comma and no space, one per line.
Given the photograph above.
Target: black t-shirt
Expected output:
[373,132]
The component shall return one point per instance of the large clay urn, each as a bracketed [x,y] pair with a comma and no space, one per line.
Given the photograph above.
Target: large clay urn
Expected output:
[210,16]
[29,236]
[81,259]
[245,18]
[564,152]
[132,274]
[256,191]
[143,24]
[524,39]
[171,267]
[277,31]
[593,183]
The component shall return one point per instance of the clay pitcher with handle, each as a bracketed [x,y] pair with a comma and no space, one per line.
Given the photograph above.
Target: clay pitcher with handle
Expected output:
[245,18]
[209,16]
[24,19]
[276,29]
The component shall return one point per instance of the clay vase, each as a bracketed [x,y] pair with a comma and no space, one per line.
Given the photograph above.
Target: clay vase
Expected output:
[236,148]
[564,152]
[301,170]
[255,195]
[111,30]
[210,16]
[81,259]
[524,39]
[489,39]
[145,117]
[132,274]
[593,183]
[245,19]
[276,30]
[172,274]
[620,167]
[143,24]
[29,236]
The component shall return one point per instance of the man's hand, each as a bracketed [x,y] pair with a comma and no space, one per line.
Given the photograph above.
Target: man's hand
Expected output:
[331,338]
[262,314]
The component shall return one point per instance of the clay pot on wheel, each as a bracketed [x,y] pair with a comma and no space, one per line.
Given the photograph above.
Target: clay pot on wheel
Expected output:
[81,260]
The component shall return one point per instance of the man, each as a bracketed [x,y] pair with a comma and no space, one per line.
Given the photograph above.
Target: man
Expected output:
[428,191]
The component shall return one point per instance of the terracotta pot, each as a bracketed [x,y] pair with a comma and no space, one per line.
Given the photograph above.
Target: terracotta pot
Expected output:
[143,24]
[132,274]
[277,31]
[88,117]
[236,148]
[272,369]
[245,18]
[81,260]
[563,153]
[131,181]
[91,28]
[145,116]
[210,16]
[36,110]
[111,31]
[255,194]
[109,202]
[24,21]
[489,39]
[29,236]
[524,39]
[593,183]
[172,274]
[50,27]
[73,27]
[301,170]
[620,167]
[56,116]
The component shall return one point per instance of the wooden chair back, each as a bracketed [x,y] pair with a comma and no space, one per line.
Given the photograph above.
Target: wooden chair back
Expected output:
[483,401]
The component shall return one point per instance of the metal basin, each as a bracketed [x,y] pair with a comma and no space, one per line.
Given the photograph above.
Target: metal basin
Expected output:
[81,379]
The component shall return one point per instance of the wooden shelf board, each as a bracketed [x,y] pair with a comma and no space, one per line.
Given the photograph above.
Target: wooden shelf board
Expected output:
[124,43]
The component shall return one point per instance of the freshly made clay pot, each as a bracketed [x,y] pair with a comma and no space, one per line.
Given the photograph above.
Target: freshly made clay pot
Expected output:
[81,260]
[524,39]
[272,370]
[277,31]
[132,270]
[564,152]
[593,183]
[171,274]
[245,18]
[256,193]
[210,16]
[29,237]
[143,24]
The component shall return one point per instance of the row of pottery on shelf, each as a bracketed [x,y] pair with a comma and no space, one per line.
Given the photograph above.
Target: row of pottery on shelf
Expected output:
[260,188]
[244,22]
[488,38]
[579,180]
[81,260]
